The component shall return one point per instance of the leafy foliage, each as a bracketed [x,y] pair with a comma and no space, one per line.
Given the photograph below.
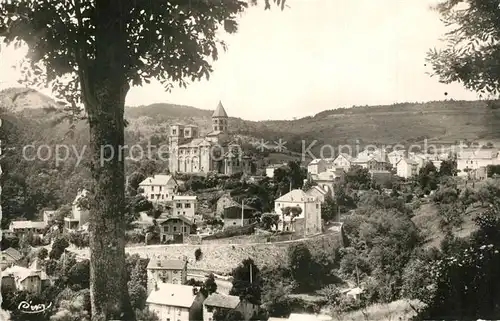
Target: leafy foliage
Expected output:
[247,282]
[471,55]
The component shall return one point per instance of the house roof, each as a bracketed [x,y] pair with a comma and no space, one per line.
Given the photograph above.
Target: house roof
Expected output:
[185,198]
[13,253]
[174,295]
[316,188]
[156,180]
[346,156]
[165,264]
[220,111]
[220,300]
[408,161]
[477,154]
[178,217]
[296,195]
[28,224]
[315,161]
[397,152]
[19,273]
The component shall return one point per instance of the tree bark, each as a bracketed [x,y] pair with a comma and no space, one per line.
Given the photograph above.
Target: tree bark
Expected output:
[108,275]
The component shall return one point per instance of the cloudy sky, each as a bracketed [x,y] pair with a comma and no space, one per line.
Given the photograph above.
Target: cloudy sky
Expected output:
[316,55]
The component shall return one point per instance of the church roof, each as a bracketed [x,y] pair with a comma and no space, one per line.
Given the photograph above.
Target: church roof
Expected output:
[220,111]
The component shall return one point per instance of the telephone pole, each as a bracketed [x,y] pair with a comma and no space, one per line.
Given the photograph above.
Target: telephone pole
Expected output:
[242,211]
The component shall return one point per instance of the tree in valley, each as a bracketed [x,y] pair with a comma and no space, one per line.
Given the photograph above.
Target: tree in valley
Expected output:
[90,53]
[329,209]
[247,282]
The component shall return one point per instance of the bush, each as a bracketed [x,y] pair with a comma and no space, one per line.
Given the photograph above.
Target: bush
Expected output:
[198,254]
[232,231]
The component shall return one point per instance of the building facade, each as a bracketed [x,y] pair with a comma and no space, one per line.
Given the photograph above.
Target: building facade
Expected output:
[190,153]
[185,205]
[79,213]
[161,271]
[171,302]
[175,228]
[159,188]
[310,216]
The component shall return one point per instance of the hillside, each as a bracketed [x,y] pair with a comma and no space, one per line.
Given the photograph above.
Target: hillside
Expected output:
[439,121]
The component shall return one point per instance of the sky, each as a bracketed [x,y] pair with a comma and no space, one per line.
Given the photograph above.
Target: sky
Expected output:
[315,55]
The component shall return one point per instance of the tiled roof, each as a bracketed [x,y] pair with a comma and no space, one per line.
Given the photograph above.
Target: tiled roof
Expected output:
[174,295]
[12,252]
[19,273]
[28,224]
[347,156]
[178,217]
[166,264]
[184,198]
[220,111]
[296,195]
[315,161]
[156,180]
[220,300]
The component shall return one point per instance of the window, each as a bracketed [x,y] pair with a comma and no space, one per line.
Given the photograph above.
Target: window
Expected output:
[162,196]
[187,205]
[152,188]
[317,205]
[185,229]
[179,313]
[152,196]
[166,228]
[174,131]
[168,311]
[175,228]
[160,188]
[183,213]
[234,223]
[178,205]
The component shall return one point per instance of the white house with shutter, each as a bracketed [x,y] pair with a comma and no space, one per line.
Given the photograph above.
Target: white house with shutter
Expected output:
[185,205]
[407,168]
[171,302]
[473,159]
[159,188]
[308,221]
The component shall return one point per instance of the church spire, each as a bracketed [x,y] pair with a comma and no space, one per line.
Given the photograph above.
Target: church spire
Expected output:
[219,112]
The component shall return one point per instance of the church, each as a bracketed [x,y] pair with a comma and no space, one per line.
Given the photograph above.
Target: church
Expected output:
[190,153]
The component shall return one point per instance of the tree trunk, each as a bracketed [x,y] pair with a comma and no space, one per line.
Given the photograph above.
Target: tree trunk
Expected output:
[108,275]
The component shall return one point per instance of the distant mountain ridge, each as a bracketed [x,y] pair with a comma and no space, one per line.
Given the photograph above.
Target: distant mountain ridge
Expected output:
[438,121]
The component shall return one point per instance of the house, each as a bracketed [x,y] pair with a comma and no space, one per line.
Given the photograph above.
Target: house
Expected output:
[218,301]
[234,161]
[343,161]
[271,168]
[406,168]
[328,179]
[233,215]
[175,228]
[223,202]
[376,161]
[317,166]
[395,156]
[317,192]
[308,221]
[171,302]
[22,279]
[473,159]
[185,205]
[162,270]
[354,293]
[159,188]
[10,257]
[20,228]
[48,215]
[79,213]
